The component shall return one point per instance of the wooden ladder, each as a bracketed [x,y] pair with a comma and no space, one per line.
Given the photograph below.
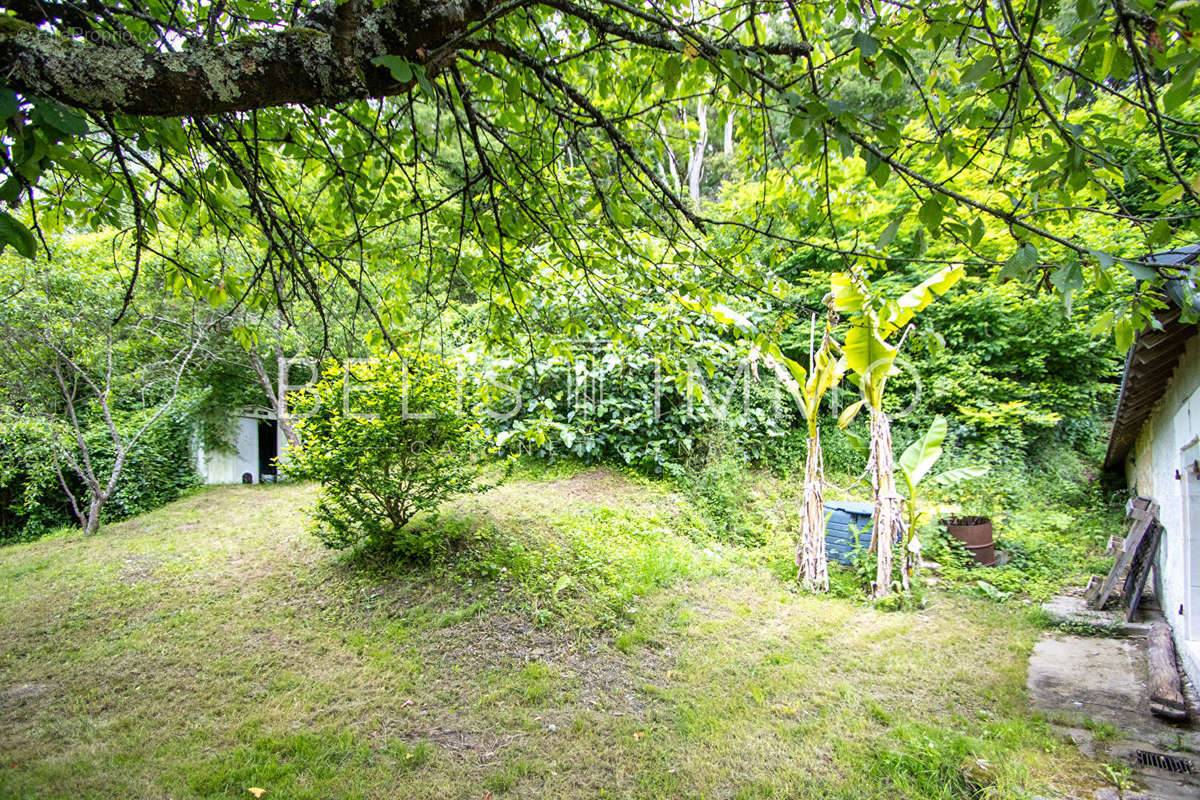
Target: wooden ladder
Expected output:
[1135,556]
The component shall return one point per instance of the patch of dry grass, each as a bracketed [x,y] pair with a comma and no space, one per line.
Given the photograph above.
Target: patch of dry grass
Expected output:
[213,645]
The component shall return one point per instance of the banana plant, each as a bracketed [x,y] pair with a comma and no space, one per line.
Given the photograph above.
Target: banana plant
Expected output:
[915,462]
[807,388]
[870,353]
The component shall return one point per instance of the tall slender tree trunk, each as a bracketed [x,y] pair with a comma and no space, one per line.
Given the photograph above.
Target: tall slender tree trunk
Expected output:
[671,163]
[695,166]
[277,395]
[812,565]
[887,502]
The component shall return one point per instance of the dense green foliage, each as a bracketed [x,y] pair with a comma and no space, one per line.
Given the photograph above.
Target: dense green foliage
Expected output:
[32,502]
[159,468]
[1053,143]
[630,405]
[97,389]
[1014,369]
[719,488]
[386,440]
[1016,375]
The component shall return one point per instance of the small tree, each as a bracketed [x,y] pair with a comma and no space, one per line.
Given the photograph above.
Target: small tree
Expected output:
[386,440]
[97,369]
[915,462]
[871,356]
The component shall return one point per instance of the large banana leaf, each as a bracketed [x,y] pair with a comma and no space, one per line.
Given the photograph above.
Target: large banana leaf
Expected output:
[919,297]
[809,388]
[957,475]
[795,368]
[827,371]
[848,296]
[922,454]
[848,414]
[870,357]
[859,443]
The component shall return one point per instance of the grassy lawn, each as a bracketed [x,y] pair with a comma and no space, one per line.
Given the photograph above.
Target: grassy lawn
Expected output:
[576,646]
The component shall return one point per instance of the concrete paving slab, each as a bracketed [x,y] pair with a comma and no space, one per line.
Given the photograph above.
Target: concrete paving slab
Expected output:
[1072,610]
[1097,678]
[1103,680]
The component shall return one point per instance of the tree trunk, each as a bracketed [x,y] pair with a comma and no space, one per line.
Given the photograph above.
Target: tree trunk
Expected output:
[672,164]
[95,506]
[282,418]
[813,567]
[277,397]
[887,502]
[695,168]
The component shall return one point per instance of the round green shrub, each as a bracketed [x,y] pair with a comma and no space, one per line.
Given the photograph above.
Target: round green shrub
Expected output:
[387,439]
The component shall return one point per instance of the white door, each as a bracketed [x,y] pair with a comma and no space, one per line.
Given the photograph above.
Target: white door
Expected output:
[1190,475]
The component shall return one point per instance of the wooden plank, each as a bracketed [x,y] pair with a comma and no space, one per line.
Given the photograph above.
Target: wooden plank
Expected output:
[1136,504]
[1158,338]
[1135,598]
[1155,371]
[1093,588]
[1132,541]
[1158,587]
[1140,514]
[1137,562]
[1147,563]
[1158,353]
[1116,544]
[1166,692]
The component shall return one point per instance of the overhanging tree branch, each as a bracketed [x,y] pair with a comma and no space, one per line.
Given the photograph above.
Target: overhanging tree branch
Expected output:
[317,63]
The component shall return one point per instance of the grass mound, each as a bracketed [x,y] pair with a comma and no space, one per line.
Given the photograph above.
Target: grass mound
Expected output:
[579,641]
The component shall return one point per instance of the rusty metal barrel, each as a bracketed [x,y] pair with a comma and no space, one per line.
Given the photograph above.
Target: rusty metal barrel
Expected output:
[976,535]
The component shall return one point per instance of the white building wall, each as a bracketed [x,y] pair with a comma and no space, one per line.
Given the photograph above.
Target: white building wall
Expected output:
[228,466]
[1157,457]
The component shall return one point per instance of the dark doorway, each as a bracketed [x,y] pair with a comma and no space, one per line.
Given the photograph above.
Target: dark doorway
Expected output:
[268,449]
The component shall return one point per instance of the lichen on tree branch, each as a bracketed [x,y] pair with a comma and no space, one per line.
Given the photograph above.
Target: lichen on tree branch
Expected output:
[321,62]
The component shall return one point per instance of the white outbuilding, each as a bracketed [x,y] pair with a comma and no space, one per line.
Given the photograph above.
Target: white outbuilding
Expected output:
[1156,440]
[256,449]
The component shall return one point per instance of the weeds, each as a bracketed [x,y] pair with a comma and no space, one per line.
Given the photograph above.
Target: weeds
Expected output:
[1047,549]
[716,481]
[1101,731]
